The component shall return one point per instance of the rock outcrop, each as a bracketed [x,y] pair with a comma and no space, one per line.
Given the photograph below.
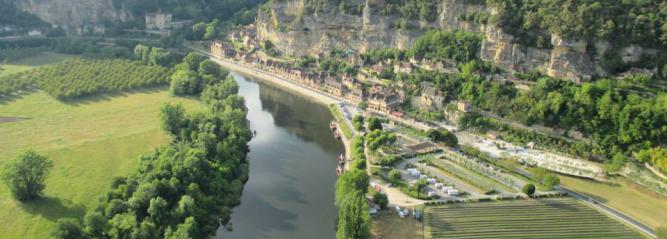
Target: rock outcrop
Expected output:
[75,16]
[295,33]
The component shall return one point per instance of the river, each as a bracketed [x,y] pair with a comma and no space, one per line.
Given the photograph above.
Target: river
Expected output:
[290,193]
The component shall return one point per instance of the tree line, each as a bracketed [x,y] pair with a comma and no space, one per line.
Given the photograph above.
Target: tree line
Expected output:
[185,189]
[81,77]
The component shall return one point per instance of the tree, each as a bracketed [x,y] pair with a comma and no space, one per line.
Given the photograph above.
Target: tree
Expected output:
[68,228]
[185,83]
[25,174]
[160,57]
[199,30]
[358,122]
[142,53]
[172,118]
[354,220]
[395,176]
[419,186]
[192,60]
[364,104]
[550,180]
[208,67]
[351,181]
[374,123]
[211,31]
[380,199]
[529,189]
[443,135]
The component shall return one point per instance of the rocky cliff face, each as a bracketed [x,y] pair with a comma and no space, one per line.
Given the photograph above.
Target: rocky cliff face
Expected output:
[298,34]
[75,16]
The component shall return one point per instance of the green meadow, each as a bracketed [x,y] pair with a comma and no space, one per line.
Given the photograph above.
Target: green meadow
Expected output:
[90,140]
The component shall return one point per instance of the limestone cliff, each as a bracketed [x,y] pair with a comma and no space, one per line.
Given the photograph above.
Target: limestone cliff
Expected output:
[296,33]
[75,16]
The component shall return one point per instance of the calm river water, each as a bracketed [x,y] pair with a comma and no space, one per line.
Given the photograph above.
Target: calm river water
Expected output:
[290,193]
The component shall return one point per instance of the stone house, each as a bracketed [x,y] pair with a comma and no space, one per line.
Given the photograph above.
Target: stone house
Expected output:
[333,85]
[430,98]
[158,21]
[463,106]
[385,100]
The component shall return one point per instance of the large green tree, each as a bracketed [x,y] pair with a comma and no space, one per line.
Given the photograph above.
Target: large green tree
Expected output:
[25,174]
[354,221]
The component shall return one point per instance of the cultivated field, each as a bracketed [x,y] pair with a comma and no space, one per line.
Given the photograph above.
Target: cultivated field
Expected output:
[543,218]
[90,141]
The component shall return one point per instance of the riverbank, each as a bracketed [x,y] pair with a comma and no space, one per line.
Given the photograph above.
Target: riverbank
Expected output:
[289,86]
[275,80]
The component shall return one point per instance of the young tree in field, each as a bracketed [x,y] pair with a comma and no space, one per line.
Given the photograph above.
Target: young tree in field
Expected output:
[25,174]
[354,220]
[374,123]
[529,189]
[380,199]
[68,228]
[394,176]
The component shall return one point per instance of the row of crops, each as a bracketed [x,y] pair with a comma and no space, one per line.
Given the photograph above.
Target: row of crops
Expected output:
[529,218]
[81,77]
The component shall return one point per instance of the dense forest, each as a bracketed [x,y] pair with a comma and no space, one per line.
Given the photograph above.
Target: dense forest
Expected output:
[81,77]
[639,22]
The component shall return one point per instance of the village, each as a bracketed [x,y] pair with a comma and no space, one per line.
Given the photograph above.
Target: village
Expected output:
[412,169]
[450,173]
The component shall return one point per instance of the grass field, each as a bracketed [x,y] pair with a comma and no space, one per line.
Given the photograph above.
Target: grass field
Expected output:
[31,62]
[640,203]
[90,141]
[388,225]
[543,218]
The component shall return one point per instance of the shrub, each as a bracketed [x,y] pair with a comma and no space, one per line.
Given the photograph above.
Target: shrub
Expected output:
[529,189]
